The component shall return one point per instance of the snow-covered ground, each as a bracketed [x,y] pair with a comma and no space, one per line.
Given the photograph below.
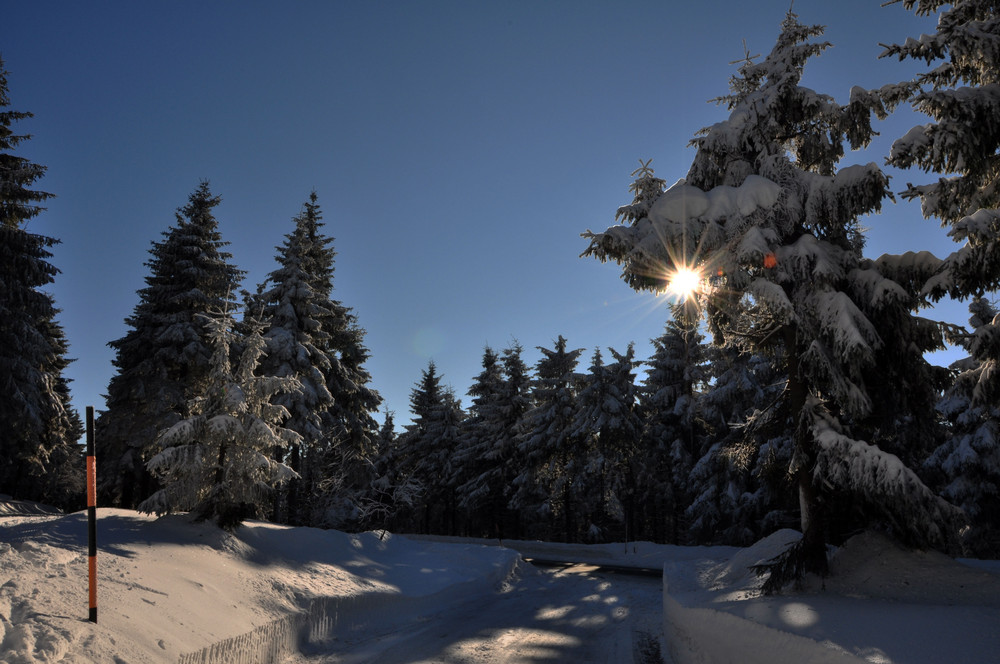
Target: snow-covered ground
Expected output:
[169,587]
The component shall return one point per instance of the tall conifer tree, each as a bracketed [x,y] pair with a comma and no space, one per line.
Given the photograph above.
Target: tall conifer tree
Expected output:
[41,430]
[961,144]
[545,489]
[163,360]
[774,226]
[299,347]
[344,453]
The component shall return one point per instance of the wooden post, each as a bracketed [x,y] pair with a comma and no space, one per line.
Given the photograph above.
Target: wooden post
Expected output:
[92,514]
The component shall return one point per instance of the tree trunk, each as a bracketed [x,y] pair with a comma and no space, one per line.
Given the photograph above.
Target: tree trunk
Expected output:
[220,470]
[811,519]
[813,524]
[567,514]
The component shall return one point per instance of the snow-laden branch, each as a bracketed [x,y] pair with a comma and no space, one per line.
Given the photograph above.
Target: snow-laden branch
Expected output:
[885,484]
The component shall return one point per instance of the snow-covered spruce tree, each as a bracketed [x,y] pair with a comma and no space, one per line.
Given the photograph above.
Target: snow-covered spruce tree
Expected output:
[619,432]
[63,485]
[489,454]
[713,482]
[608,425]
[968,462]
[428,447]
[739,484]
[19,203]
[347,447]
[766,215]
[961,94]
[672,427]
[217,460]
[444,433]
[391,490]
[39,443]
[545,487]
[299,347]
[474,466]
[164,358]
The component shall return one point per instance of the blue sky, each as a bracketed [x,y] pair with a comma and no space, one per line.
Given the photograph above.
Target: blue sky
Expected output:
[458,150]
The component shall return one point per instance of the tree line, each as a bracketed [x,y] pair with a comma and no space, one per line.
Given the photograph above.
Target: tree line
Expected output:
[812,403]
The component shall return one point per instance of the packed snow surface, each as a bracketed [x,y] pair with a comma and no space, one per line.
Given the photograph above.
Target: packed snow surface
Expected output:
[169,587]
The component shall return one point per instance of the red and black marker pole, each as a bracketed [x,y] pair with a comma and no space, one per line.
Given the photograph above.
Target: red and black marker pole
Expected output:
[92,514]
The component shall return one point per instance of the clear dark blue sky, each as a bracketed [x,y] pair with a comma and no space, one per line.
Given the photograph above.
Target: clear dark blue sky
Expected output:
[458,150]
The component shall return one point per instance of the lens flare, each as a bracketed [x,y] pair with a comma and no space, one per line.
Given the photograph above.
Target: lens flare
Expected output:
[684,282]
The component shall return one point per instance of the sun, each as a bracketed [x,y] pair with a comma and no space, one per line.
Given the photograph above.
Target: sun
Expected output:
[684,282]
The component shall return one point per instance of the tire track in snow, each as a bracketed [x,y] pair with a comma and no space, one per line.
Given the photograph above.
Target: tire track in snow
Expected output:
[572,614]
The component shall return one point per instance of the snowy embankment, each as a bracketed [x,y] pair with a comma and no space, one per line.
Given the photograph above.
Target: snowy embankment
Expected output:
[881,604]
[169,588]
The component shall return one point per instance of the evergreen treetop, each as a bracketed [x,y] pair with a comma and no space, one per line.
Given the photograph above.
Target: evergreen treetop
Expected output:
[18,203]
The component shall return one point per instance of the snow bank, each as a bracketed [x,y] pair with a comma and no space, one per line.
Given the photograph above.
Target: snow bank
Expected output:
[871,566]
[881,604]
[327,617]
[698,636]
[169,588]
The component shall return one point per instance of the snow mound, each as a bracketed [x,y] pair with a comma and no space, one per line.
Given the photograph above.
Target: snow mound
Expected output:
[10,507]
[870,565]
[881,604]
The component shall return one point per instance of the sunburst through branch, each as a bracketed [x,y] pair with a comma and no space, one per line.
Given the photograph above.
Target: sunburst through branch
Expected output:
[684,282]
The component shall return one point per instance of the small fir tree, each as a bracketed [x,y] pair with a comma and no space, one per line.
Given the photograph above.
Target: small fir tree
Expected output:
[968,462]
[480,430]
[428,447]
[218,460]
[672,426]
[490,456]
[391,490]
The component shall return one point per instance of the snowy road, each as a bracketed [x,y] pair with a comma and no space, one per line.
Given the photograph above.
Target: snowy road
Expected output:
[572,614]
